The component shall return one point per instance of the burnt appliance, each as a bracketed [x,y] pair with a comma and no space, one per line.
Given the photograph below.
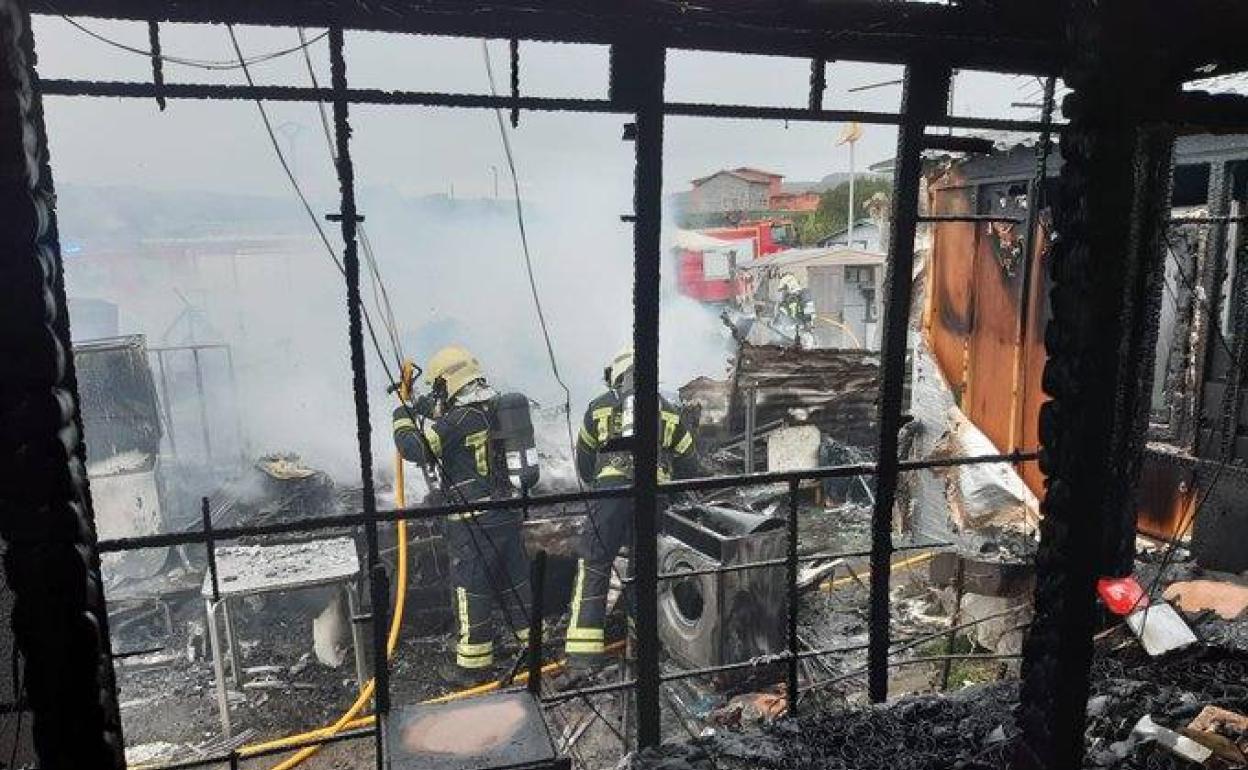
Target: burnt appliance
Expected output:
[724,617]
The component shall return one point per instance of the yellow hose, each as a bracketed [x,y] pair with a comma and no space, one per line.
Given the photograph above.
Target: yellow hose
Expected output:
[367,721]
[841,326]
[830,585]
[366,692]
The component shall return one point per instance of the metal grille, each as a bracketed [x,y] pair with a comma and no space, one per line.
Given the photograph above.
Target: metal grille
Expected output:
[636,92]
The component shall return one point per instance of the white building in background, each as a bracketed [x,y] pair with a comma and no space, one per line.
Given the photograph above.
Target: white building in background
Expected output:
[866,237]
[845,285]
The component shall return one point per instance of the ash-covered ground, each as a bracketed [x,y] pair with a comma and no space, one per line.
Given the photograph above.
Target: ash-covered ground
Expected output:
[975,729]
[168,699]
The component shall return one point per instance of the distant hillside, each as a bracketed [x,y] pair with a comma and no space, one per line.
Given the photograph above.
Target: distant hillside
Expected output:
[110,215]
[829,182]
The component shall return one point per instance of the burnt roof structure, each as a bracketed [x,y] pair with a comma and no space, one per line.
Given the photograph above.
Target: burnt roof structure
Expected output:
[1125,61]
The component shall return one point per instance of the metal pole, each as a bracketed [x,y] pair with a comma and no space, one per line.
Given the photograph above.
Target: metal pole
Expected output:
[959,586]
[537,611]
[203,403]
[638,74]
[923,98]
[791,691]
[747,440]
[349,218]
[849,234]
[166,398]
[238,407]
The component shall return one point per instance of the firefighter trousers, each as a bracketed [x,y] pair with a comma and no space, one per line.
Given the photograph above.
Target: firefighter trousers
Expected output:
[489,569]
[609,528]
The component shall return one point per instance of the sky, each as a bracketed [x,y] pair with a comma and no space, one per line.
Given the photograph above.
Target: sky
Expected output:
[389,61]
[455,272]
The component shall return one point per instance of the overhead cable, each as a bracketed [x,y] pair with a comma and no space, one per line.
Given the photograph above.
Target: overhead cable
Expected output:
[205,64]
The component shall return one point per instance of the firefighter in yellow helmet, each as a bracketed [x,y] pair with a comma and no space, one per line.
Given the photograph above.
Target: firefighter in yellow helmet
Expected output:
[455,429]
[794,303]
[601,463]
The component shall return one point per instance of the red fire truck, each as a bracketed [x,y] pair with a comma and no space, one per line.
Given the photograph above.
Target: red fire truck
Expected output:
[707,259]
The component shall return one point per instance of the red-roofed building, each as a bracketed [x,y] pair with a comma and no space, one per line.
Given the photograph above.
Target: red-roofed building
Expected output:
[794,201]
[738,189]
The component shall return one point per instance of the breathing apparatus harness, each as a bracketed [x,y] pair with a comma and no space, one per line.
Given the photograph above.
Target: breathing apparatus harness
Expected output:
[512,446]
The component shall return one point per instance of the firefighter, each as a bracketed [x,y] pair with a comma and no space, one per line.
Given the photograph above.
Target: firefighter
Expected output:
[451,429]
[795,304]
[609,419]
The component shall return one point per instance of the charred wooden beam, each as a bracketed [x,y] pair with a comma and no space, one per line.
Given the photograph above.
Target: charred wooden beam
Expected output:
[46,520]
[649,70]
[846,29]
[949,143]
[923,101]
[1106,272]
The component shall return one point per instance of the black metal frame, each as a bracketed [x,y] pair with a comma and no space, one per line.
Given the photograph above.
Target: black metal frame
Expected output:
[644,99]
[195,349]
[636,88]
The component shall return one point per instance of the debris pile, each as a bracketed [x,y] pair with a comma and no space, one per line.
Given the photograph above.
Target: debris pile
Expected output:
[974,729]
[832,389]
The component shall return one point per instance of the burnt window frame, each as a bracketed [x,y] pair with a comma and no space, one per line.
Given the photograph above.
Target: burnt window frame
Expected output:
[637,79]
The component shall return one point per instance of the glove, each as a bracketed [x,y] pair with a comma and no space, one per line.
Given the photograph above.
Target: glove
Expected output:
[424,405]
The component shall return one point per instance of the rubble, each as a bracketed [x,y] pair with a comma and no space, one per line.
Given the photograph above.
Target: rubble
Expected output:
[1181,746]
[974,729]
[831,389]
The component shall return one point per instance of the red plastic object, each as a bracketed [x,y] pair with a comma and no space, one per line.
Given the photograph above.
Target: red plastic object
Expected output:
[1122,595]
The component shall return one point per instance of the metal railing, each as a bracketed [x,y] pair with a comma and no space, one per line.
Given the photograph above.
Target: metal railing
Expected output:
[637,90]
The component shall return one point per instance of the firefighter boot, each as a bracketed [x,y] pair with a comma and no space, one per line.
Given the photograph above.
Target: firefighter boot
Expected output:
[459,678]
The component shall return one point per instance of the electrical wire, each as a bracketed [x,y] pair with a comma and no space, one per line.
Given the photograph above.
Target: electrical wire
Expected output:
[388,320]
[366,316]
[537,300]
[204,64]
[381,297]
[524,245]
[303,199]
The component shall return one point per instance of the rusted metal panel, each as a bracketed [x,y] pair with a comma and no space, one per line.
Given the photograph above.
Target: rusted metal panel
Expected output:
[950,315]
[1167,493]
[1033,357]
[992,347]
[972,322]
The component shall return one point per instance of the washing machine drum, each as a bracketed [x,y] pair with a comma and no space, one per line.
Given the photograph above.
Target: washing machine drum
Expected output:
[688,606]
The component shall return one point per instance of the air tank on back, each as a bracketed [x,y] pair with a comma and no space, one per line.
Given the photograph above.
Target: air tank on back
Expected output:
[513,430]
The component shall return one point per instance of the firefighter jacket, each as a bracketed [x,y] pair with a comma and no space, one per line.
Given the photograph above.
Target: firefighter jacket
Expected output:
[604,423]
[459,440]
[797,305]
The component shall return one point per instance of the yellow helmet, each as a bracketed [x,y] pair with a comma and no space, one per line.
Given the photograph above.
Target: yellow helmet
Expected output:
[455,366]
[620,365]
[789,282]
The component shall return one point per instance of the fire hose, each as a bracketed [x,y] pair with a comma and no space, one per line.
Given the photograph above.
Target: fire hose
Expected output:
[351,718]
